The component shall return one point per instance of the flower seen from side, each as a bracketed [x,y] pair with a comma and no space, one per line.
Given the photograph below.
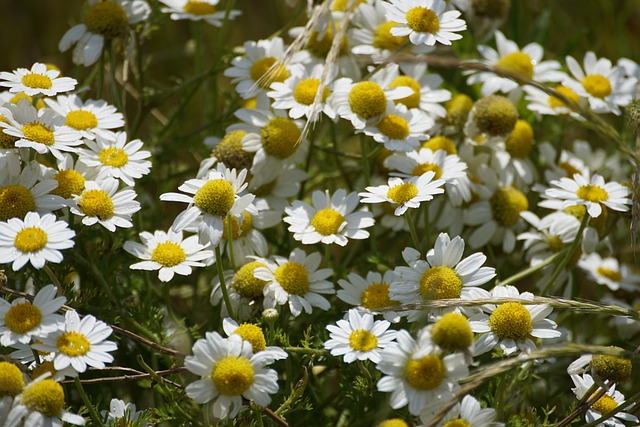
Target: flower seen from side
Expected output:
[198,10]
[611,400]
[610,272]
[369,294]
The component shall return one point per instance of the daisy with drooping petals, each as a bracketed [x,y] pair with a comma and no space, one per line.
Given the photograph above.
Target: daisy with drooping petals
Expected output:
[168,252]
[541,102]
[230,371]
[102,203]
[296,281]
[198,10]
[36,240]
[610,272]
[359,337]
[550,235]
[467,413]
[512,325]
[246,239]
[424,21]
[369,294]
[245,290]
[398,128]
[255,335]
[38,80]
[330,220]
[80,343]
[21,320]
[405,193]
[90,117]
[607,403]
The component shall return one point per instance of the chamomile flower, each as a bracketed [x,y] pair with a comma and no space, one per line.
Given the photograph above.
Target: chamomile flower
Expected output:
[41,130]
[244,288]
[246,238]
[426,96]
[121,412]
[214,197]
[369,294]
[25,354]
[607,403]
[102,203]
[275,193]
[254,335]
[330,220]
[542,103]
[80,343]
[296,281]
[511,157]
[610,272]
[21,320]
[114,157]
[550,235]
[38,80]
[359,337]
[70,176]
[230,371]
[416,373]
[466,413]
[11,384]
[604,367]
[34,240]
[592,193]
[198,10]
[405,194]
[398,128]
[512,325]
[104,21]
[492,119]
[90,117]
[168,252]
[603,85]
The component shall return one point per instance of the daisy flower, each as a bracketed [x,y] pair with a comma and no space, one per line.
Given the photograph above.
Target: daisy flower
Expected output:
[254,335]
[591,193]
[296,281]
[541,102]
[550,235]
[526,63]
[35,240]
[105,20]
[512,325]
[230,371]
[511,157]
[609,272]
[607,403]
[12,385]
[424,21]
[198,10]
[444,275]
[123,413]
[491,120]
[227,150]
[90,117]
[41,130]
[167,252]
[70,176]
[405,194]
[398,128]
[330,220]
[102,203]
[214,197]
[359,337]
[41,404]
[466,413]
[24,353]
[114,157]
[246,239]
[603,85]
[604,367]
[369,294]
[21,320]
[275,193]
[80,343]
[244,288]
[38,80]
[426,95]
[417,374]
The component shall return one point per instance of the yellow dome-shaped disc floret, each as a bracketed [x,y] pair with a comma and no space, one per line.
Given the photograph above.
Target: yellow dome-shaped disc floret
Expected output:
[511,320]
[168,254]
[518,63]
[320,44]
[568,93]
[452,332]
[440,282]
[11,380]
[199,8]
[506,205]
[114,157]
[216,197]
[21,318]
[362,340]
[81,120]
[73,344]
[70,182]
[37,132]
[232,375]
[261,67]
[305,91]
[597,85]
[394,126]
[252,333]
[15,202]
[413,100]
[383,39]
[245,283]
[97,203]
[37,81]
[402,193]
[458,109]
[30,239]
[423,20]
[495,115]
[293,278]
[229,151]
[108,19]
[280,137]
[605,404]
[46,397]
[393,422]
[376,296]
[441,143]
[592,193]
[425,373]
[423,168]
[520,140]
[327,221]
[237,230]
[614,368]
[458,422]
[367,99]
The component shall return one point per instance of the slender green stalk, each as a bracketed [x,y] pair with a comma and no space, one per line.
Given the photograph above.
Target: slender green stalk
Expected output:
[223,284]
[524,273]
[230,241]
[412,230]
[52,276]
[85,399]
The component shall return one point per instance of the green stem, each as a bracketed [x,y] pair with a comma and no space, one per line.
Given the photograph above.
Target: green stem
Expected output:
[304,350]
[524,273]
[92,410]
[230,241]
[223,284]
[53,277]
[117,100]
[412,230]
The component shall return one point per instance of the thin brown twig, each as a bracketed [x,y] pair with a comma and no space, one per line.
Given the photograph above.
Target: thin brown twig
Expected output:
[139,375]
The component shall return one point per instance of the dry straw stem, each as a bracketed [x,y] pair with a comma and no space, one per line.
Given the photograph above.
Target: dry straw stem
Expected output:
[138,375]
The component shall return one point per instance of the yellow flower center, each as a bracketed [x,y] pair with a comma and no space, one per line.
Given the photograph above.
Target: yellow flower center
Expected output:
[579,211]
[423,168]
[440,282]
[367,99]
[37,81]
[423,20]
[43,367]
[245,283]
[383,39]
[31,239]
[413,100]
[610,274]
[520,140]
[232,375]
[605,404]
[97,203]
[114,157]
[597,85]
[569,168]
[280,137]
[168,254]
[452,332]
[293,278]
[506,205]
[394,126]
[199,8]
[592,193]
[305,91]
[11,380]
[458,422]
[216,197]
[253,334]
[70,182]
[362,340]
[511,320]
[229,151]
[402,193]
[6,140]
[518,63]
[237,231]
[567,93]
[108,19]
[73,344]
[262,66]
[81,120]
[341,5]
[458,109]
[393,422]
[441,143]
[495,115]
[39,133]
[614,368]
[18,96]
[376,296]
[320,45]
[15,202]
[46,397]
[327,221]
[555,243]
[425,373]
